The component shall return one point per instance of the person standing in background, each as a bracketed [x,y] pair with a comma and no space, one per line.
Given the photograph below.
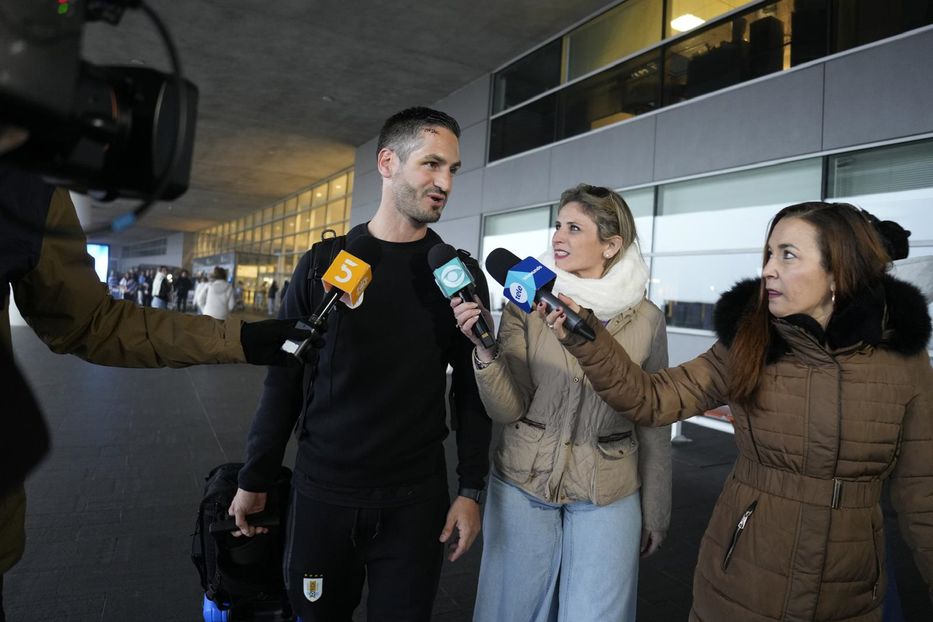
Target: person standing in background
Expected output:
[273,290]
[182,287]
[216,299]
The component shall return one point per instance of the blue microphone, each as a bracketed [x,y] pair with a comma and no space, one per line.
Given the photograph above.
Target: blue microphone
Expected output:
[524,280]
[454,280]
[528,282]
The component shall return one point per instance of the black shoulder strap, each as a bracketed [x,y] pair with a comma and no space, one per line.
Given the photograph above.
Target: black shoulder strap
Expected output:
[322,255]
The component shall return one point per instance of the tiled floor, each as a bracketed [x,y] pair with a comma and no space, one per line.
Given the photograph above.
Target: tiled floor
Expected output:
[112,509]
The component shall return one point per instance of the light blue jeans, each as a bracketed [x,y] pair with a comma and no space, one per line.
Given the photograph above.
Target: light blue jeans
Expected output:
[542,562]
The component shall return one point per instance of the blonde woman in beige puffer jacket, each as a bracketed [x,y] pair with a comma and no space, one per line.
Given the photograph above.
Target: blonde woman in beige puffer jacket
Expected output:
[577,492]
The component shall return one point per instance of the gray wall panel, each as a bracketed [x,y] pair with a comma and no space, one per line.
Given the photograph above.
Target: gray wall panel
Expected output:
[362,212]
[367,187]
[473,147]
[467,196]
[879,93]
[616,157]
[459,232]
[771,119]
[468,105]
[518,182]
[366,157]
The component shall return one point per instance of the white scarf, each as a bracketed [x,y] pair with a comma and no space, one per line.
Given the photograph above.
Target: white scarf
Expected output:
[619,289]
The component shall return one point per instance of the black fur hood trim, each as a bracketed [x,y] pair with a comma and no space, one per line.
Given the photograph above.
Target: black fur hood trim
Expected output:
[907,330]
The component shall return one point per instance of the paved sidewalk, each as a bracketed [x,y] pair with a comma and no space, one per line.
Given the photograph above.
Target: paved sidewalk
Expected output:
[112,509]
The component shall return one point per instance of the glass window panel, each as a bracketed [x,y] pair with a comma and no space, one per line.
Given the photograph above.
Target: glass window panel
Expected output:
[886,169]
[908,208]
[339,227]
[304,200]
[629,27]
[291,205]
[301,243]
[278,210]
[315,236]
[267,214]
[292,223]
[747,46]
[641,204]
[686,287]
[266,233]
[337,187]
[525,233]
[304,221]
[335,211]
[288,245]
[349,204]
[319,195]
[782,184]
[614,95]
[318,217]
[277,228]
[528,76]
[685,15]
[350,179]
[730,211]
[528,127]
[862,21]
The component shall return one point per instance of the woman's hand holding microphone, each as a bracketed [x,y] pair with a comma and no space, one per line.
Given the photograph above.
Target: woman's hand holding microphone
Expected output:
[467,313]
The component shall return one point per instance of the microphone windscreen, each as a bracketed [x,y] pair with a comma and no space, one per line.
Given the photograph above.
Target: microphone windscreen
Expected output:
[440,254]
[499,262]
[367,248]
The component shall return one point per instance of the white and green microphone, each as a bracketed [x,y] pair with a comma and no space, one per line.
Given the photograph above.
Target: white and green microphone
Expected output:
[454,280]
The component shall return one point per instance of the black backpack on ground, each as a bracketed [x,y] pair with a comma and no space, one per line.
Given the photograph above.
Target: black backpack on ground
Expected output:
[242,575]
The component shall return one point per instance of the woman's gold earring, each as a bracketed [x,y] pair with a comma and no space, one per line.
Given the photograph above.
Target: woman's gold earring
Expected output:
[833,290]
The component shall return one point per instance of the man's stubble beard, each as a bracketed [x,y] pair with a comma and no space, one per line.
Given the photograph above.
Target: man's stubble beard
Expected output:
[407,201]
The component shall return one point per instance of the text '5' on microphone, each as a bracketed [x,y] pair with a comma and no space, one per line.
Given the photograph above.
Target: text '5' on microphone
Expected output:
[528,282]
[348,275]
[454,280]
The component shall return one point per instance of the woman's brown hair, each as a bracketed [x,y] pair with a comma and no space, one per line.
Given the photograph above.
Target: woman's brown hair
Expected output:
[851,250]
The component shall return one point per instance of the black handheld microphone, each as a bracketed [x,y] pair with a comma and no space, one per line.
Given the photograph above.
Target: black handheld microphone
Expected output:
[454,279]
[350,272]
[500,262]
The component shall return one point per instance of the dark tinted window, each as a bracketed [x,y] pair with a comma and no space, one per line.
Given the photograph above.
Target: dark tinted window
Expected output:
[616,94]
[527,77]
[858,22]
[523,129]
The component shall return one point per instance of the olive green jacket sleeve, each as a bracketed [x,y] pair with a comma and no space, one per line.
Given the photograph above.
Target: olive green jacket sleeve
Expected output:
[654,399]
[71,311]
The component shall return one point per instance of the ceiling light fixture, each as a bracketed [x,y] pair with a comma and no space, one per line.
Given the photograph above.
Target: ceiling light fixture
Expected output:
[686,22]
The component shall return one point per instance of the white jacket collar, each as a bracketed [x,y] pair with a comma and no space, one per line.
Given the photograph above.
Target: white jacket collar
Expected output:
[619,289]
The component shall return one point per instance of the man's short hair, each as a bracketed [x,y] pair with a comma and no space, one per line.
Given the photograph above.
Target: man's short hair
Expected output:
[402,131]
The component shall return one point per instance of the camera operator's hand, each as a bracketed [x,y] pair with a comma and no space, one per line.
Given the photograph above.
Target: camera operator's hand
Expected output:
[262,341]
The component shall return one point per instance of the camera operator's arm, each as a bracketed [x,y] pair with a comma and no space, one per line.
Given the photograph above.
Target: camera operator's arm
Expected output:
[69,308]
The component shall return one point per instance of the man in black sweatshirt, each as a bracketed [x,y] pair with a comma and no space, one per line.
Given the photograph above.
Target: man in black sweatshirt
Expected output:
[370,488]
